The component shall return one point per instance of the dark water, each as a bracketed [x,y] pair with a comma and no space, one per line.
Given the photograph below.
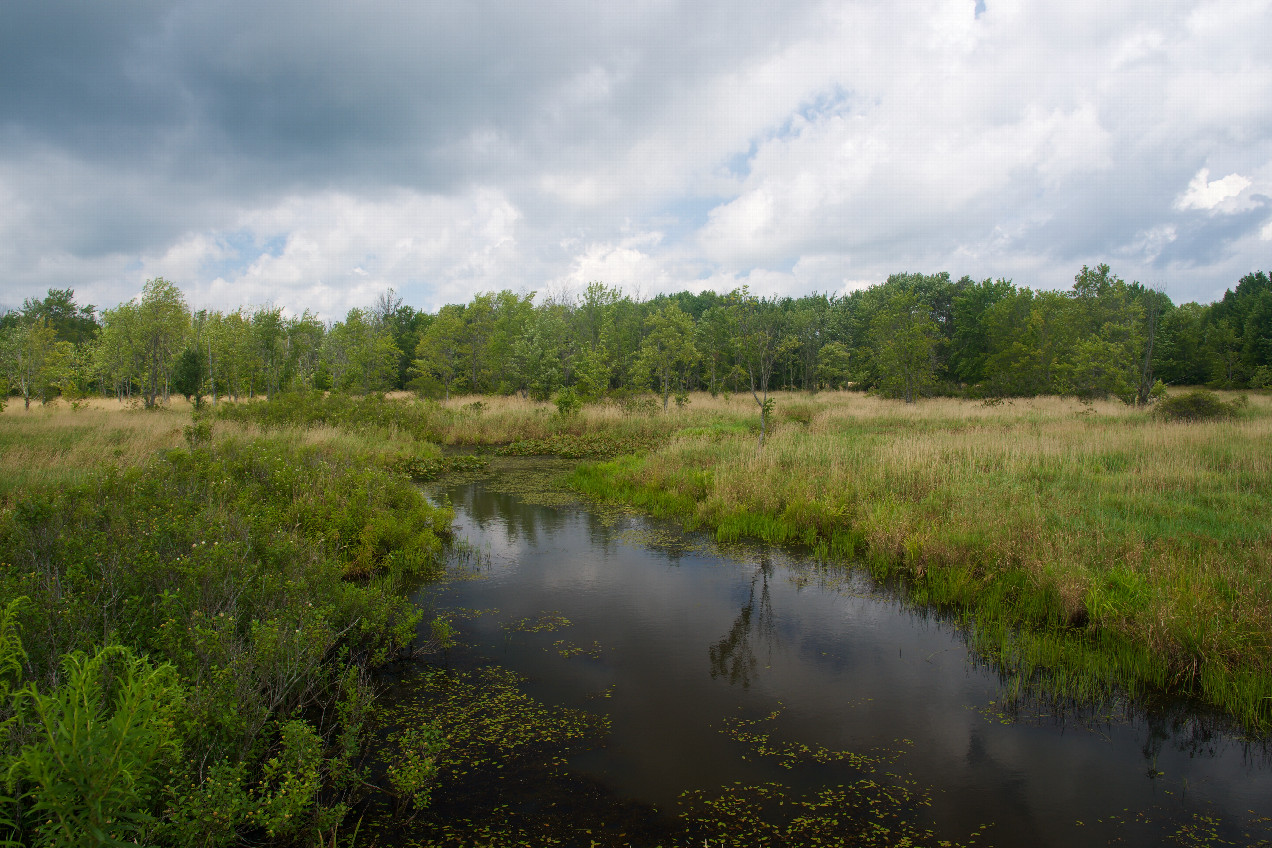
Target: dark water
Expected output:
[679,637]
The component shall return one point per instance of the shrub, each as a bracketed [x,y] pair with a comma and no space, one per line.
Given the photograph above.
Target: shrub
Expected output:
[568,403]
[249,582]
[1197,405]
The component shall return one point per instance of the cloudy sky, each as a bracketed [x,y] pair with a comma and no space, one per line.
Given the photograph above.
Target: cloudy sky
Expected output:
[312,154]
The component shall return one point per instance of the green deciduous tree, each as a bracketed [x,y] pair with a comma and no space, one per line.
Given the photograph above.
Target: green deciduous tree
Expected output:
[667,350]
[163,322]
[761,340]
[33,360]
[361,354]
[1105,356]
[715,342]
[538,355]
[438,355]
[904,336]
[1027,333]
[970,348]
[833,366]
[70,321]
[140,341]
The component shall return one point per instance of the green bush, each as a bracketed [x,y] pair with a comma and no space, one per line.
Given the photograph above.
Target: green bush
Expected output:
[256,577]
[413,772]
[568,404]
[1197,405]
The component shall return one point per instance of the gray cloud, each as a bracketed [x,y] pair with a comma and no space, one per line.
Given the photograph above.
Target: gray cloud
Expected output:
[311,152]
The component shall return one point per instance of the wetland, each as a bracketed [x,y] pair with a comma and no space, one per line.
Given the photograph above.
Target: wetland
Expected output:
[668,689]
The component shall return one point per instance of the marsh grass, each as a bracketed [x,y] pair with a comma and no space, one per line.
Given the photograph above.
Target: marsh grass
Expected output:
[57,444]
[1093,539]
[268,573]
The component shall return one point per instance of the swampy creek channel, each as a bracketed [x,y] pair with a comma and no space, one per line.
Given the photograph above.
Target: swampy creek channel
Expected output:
[696,694]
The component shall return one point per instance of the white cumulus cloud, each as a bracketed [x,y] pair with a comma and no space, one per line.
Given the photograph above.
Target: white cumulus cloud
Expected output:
[1202,193]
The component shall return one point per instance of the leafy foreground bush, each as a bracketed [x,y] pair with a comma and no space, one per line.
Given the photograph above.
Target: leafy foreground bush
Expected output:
[1197,405]
[182,658]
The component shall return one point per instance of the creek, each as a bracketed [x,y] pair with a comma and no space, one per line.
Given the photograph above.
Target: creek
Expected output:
[728,670]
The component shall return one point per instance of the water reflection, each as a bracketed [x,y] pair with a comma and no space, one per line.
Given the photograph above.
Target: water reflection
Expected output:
[733,657]
[691,636]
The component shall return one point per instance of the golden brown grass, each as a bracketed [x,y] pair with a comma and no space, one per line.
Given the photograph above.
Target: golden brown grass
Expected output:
[58,444]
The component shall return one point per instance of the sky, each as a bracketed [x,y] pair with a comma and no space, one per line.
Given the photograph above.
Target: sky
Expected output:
[311,155]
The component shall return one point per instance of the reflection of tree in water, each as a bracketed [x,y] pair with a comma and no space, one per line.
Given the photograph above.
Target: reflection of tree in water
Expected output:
[519,520]
[733,657]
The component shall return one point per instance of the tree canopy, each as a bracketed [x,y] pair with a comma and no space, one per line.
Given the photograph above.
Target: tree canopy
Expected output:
[910,336]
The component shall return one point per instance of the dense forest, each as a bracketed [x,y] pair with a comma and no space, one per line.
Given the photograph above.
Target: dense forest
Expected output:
[911,336]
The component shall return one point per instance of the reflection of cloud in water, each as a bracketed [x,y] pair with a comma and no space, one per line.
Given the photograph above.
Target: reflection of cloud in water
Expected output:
[692,632]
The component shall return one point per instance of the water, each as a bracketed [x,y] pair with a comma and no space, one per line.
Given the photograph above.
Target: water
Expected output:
[675,638]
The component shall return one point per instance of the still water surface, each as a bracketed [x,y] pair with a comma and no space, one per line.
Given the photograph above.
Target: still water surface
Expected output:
[673,637]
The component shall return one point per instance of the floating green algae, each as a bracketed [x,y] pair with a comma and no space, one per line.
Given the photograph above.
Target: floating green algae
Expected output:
[544,622]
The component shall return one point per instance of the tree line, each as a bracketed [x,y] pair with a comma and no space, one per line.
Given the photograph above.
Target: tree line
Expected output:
[914,335]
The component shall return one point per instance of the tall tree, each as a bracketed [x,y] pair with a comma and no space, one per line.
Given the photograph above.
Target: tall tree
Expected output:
[1105,357]
[479,325]
[668,348]
[807,319]
[904,336]
[1180,352]
[163,322]
[513,318]
[969,349]
[438,355]
[1026,334]
[119,349]
[1153,304]
[270,348]
[70,321]
[762,339]
[538,355]
[361,354]
[715,342]
[304,340]
[33,360]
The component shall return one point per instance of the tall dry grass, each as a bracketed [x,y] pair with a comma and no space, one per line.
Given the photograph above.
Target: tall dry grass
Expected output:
[57,443]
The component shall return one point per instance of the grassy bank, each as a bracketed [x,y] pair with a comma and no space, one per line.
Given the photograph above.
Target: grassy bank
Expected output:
[186,629]
[519,425]
[1092,543]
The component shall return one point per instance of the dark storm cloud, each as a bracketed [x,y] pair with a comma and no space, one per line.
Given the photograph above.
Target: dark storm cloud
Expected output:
[334,91]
